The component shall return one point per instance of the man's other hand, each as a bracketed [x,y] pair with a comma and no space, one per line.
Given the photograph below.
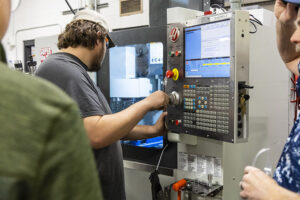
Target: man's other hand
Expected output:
[159,126]
[256,185]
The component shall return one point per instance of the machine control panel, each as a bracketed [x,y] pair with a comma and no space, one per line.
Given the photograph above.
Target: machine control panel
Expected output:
[207,71]
[204,106]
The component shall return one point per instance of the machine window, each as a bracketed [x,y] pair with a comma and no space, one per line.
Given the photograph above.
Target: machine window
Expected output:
[136,71]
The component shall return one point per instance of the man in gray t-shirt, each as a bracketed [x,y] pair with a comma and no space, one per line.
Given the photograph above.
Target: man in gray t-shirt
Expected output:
[82,48]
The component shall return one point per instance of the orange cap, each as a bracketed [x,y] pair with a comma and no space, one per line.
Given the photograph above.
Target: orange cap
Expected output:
[177,186]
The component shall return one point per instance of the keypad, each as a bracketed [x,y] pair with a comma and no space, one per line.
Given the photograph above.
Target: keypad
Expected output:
[206,108]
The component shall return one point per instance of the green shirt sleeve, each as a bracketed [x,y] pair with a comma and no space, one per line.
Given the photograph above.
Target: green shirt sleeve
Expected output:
[13,188]
[67,169]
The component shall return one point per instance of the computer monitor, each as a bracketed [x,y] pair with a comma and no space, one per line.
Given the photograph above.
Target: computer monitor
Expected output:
[207,50]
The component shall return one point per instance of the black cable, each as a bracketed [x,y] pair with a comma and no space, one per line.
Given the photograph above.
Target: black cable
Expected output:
[161,154]
[219,2]
[252,32]
[256,20]
[218,6]
[70,7]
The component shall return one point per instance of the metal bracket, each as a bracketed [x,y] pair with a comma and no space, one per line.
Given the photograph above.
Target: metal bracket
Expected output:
[182,138]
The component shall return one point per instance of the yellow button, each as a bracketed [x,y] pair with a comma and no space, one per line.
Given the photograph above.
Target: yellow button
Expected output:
[176,74]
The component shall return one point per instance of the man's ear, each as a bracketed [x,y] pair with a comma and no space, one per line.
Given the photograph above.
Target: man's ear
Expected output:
[99,34]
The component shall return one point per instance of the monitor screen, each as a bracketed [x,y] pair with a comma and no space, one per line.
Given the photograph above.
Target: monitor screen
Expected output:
[136,71]
[207,50]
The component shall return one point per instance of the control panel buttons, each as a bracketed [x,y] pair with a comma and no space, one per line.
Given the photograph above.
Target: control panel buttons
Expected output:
[177,122]
[177,53]
[175,99]
[171,53]
[169,74]
[174,73]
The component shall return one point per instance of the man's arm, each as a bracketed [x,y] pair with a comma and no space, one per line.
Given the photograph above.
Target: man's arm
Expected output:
[256,185]
[107,129]
[285,27]
[143,131]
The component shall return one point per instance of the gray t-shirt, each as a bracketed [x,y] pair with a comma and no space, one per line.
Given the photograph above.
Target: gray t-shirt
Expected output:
[70,74]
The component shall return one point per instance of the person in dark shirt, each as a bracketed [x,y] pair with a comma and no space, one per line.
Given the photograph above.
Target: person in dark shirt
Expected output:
[82,47]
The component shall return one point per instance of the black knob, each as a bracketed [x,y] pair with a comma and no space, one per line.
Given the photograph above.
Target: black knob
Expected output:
[247,97]
[239,117]
[240,125]
[244,86]
[239,133]
[189,186]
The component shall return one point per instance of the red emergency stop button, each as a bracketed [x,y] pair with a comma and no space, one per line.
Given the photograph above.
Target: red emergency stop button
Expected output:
[169,74]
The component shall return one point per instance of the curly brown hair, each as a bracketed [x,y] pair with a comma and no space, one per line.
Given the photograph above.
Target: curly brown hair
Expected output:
[81,33]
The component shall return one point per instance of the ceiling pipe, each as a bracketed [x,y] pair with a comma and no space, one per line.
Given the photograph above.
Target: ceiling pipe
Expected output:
[90,4]
[235,5]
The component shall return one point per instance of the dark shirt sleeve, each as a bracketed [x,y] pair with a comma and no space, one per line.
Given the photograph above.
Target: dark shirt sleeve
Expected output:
[72,80]
[85,95]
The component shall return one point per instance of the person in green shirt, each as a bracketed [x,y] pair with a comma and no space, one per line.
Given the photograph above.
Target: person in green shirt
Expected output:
[44,150]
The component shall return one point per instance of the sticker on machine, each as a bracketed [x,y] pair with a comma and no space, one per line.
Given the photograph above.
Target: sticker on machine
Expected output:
[192,163]
[44,53]
[201,164]
[183,161]
[217,167]
[210,165]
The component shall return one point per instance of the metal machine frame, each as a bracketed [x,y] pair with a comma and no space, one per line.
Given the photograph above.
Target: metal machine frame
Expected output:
[185,120]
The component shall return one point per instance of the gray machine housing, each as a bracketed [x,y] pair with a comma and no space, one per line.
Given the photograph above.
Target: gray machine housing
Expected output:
[220,120]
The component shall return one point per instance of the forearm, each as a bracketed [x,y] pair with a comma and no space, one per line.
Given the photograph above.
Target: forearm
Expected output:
[286,195]
[105,130]
[140,132]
